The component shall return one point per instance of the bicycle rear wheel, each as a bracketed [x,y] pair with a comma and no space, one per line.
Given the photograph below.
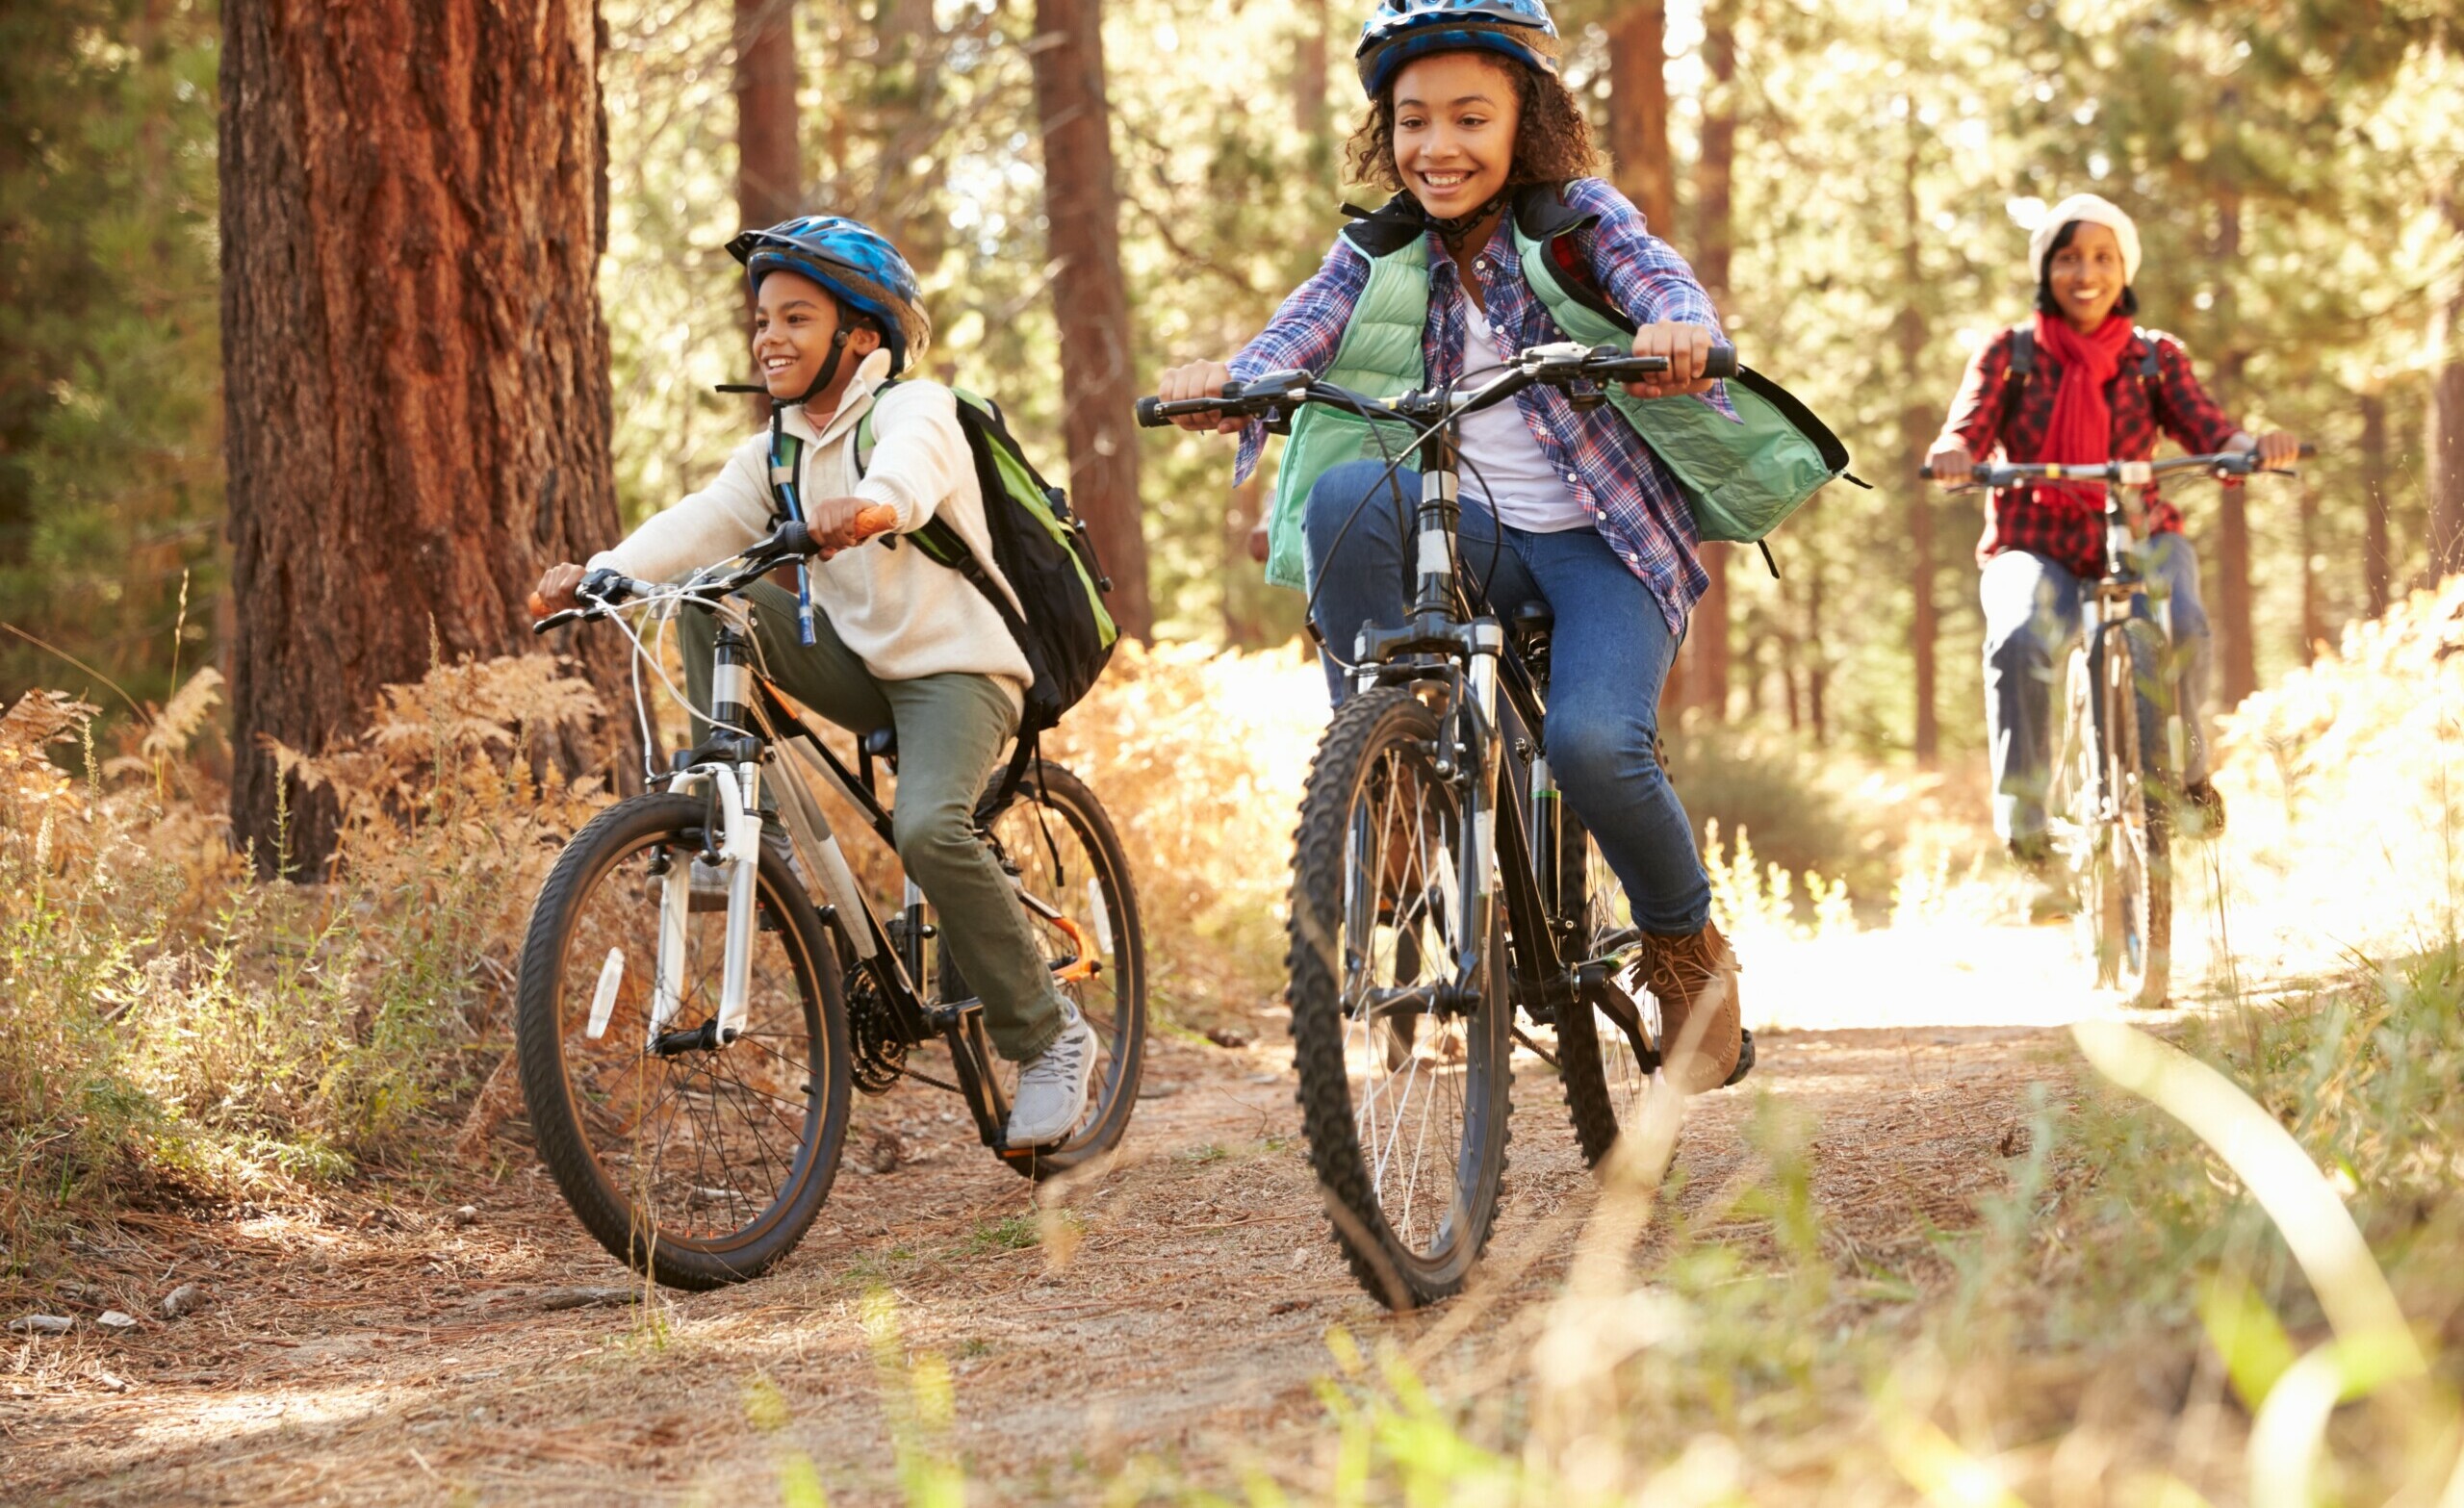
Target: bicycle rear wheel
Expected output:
[1055,836]
[697,1163]
[1608,1083]
[1404,1081]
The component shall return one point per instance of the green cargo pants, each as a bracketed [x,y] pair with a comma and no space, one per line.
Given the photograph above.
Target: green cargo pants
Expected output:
[951,728]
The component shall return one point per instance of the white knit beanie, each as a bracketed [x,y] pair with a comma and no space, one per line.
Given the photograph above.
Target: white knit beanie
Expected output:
[2096,210]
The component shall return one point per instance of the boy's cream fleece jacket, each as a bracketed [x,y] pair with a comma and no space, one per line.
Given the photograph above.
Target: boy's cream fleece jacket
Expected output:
[903,615]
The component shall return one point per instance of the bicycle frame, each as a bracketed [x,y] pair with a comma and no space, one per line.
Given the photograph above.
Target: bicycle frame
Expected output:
[747,722]
[1465,662]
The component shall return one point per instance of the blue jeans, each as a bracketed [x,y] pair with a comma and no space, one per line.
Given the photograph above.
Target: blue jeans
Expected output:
[1609,655]
[2033,610]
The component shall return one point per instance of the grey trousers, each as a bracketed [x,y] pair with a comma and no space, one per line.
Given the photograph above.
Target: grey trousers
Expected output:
[950,729]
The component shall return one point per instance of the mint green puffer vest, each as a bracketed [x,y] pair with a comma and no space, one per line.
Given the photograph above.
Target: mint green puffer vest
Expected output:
[1740,476]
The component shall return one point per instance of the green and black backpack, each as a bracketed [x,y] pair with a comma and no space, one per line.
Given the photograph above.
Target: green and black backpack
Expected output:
[1039,547]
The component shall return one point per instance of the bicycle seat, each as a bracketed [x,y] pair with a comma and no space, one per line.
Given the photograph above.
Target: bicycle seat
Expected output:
[882,743]
[1531,621]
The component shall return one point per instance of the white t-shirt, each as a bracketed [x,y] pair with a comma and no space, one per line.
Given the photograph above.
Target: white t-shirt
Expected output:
[1501,463]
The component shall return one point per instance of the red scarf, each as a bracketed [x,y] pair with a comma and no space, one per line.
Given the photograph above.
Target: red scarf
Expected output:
[2082,426]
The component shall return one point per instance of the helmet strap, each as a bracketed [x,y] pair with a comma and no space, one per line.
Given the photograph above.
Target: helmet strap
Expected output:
[830,367]
[1454,230]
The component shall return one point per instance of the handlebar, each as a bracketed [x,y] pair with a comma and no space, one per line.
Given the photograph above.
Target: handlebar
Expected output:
[1560,365]
[2120,474]
[601,591]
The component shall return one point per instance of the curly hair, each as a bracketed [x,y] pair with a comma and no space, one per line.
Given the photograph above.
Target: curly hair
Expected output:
[1551,140]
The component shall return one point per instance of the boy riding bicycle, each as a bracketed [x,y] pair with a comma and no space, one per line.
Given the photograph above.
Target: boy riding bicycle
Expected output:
[2079,383]
[900,641]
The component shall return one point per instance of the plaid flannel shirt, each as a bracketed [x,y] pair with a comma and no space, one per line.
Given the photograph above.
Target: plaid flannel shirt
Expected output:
[1629,493]
[2046,521]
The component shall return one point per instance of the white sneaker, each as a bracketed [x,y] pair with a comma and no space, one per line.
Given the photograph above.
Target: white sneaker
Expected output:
[1052,1085]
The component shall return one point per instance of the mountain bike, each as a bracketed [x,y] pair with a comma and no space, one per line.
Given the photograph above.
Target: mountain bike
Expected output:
[1439,884]
[2116,790]
[698,995]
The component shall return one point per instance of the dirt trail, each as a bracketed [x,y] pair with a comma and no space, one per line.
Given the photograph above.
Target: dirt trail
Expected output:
[379,1348]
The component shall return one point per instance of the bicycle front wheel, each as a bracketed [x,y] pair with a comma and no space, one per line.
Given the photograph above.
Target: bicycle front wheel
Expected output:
[696,1163]
[1404,1079]
[2121,828]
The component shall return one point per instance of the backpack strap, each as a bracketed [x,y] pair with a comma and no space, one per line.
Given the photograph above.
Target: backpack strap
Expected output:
[2024,364]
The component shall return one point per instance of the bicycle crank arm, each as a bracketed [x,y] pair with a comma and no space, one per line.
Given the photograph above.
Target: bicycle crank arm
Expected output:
[1593,987]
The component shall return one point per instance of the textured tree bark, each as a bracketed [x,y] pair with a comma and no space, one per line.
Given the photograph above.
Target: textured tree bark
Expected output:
[413,206]
[1915,433]
[769,156]
[2236,647]
[1705,683]
[907,123]
[1639,111]
[2444,436]
[2377,558]
[1090,298]
[1310,116]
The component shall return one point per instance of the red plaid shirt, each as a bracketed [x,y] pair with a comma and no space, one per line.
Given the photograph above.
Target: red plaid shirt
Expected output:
[2045,522]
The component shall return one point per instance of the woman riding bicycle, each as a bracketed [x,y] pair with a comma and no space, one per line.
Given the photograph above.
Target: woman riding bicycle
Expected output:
[2078,383]
[1471,128]
[901,640]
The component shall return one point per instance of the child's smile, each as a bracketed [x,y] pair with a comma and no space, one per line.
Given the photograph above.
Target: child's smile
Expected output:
[793,321]
[1455,115]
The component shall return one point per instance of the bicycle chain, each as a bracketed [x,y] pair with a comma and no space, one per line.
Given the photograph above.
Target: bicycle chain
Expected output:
[879,1053]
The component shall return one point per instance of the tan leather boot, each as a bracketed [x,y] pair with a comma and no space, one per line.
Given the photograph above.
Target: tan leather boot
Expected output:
[1694,980]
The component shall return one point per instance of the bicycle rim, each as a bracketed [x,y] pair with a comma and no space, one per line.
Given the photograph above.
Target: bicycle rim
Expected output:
[1084,911]
[700,1165]
[1402,1089]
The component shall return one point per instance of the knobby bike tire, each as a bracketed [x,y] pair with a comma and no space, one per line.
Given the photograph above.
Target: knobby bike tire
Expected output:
[1062,797]
[2125,865]
[1605,1086]
[1387,729]
[596,1193]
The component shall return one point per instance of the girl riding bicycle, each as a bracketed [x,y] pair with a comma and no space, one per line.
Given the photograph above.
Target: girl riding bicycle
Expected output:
[2079,383]
[1472,127]
[901,640]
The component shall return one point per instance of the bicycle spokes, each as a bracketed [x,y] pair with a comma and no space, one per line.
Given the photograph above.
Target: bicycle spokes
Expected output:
[1404,1033]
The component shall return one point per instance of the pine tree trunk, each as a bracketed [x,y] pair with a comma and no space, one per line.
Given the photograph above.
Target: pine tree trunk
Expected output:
[1639,111]
[1705,683]
[2236,644]
[2444,436]
[769,156]
[907,126]
[415,368]
[1091,298]
[1310,116]
[2378,560]
[1915,433]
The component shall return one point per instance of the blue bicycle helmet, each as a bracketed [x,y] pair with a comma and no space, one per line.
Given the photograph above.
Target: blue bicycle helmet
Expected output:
[1401,30]
[855,262]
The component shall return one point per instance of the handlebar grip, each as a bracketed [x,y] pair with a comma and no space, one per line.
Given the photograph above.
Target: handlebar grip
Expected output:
[2307,452]
[795,537]
[1150,414]
[1721,362]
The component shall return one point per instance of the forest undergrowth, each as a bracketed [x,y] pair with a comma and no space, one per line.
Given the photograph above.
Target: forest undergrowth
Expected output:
[2124,1324]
